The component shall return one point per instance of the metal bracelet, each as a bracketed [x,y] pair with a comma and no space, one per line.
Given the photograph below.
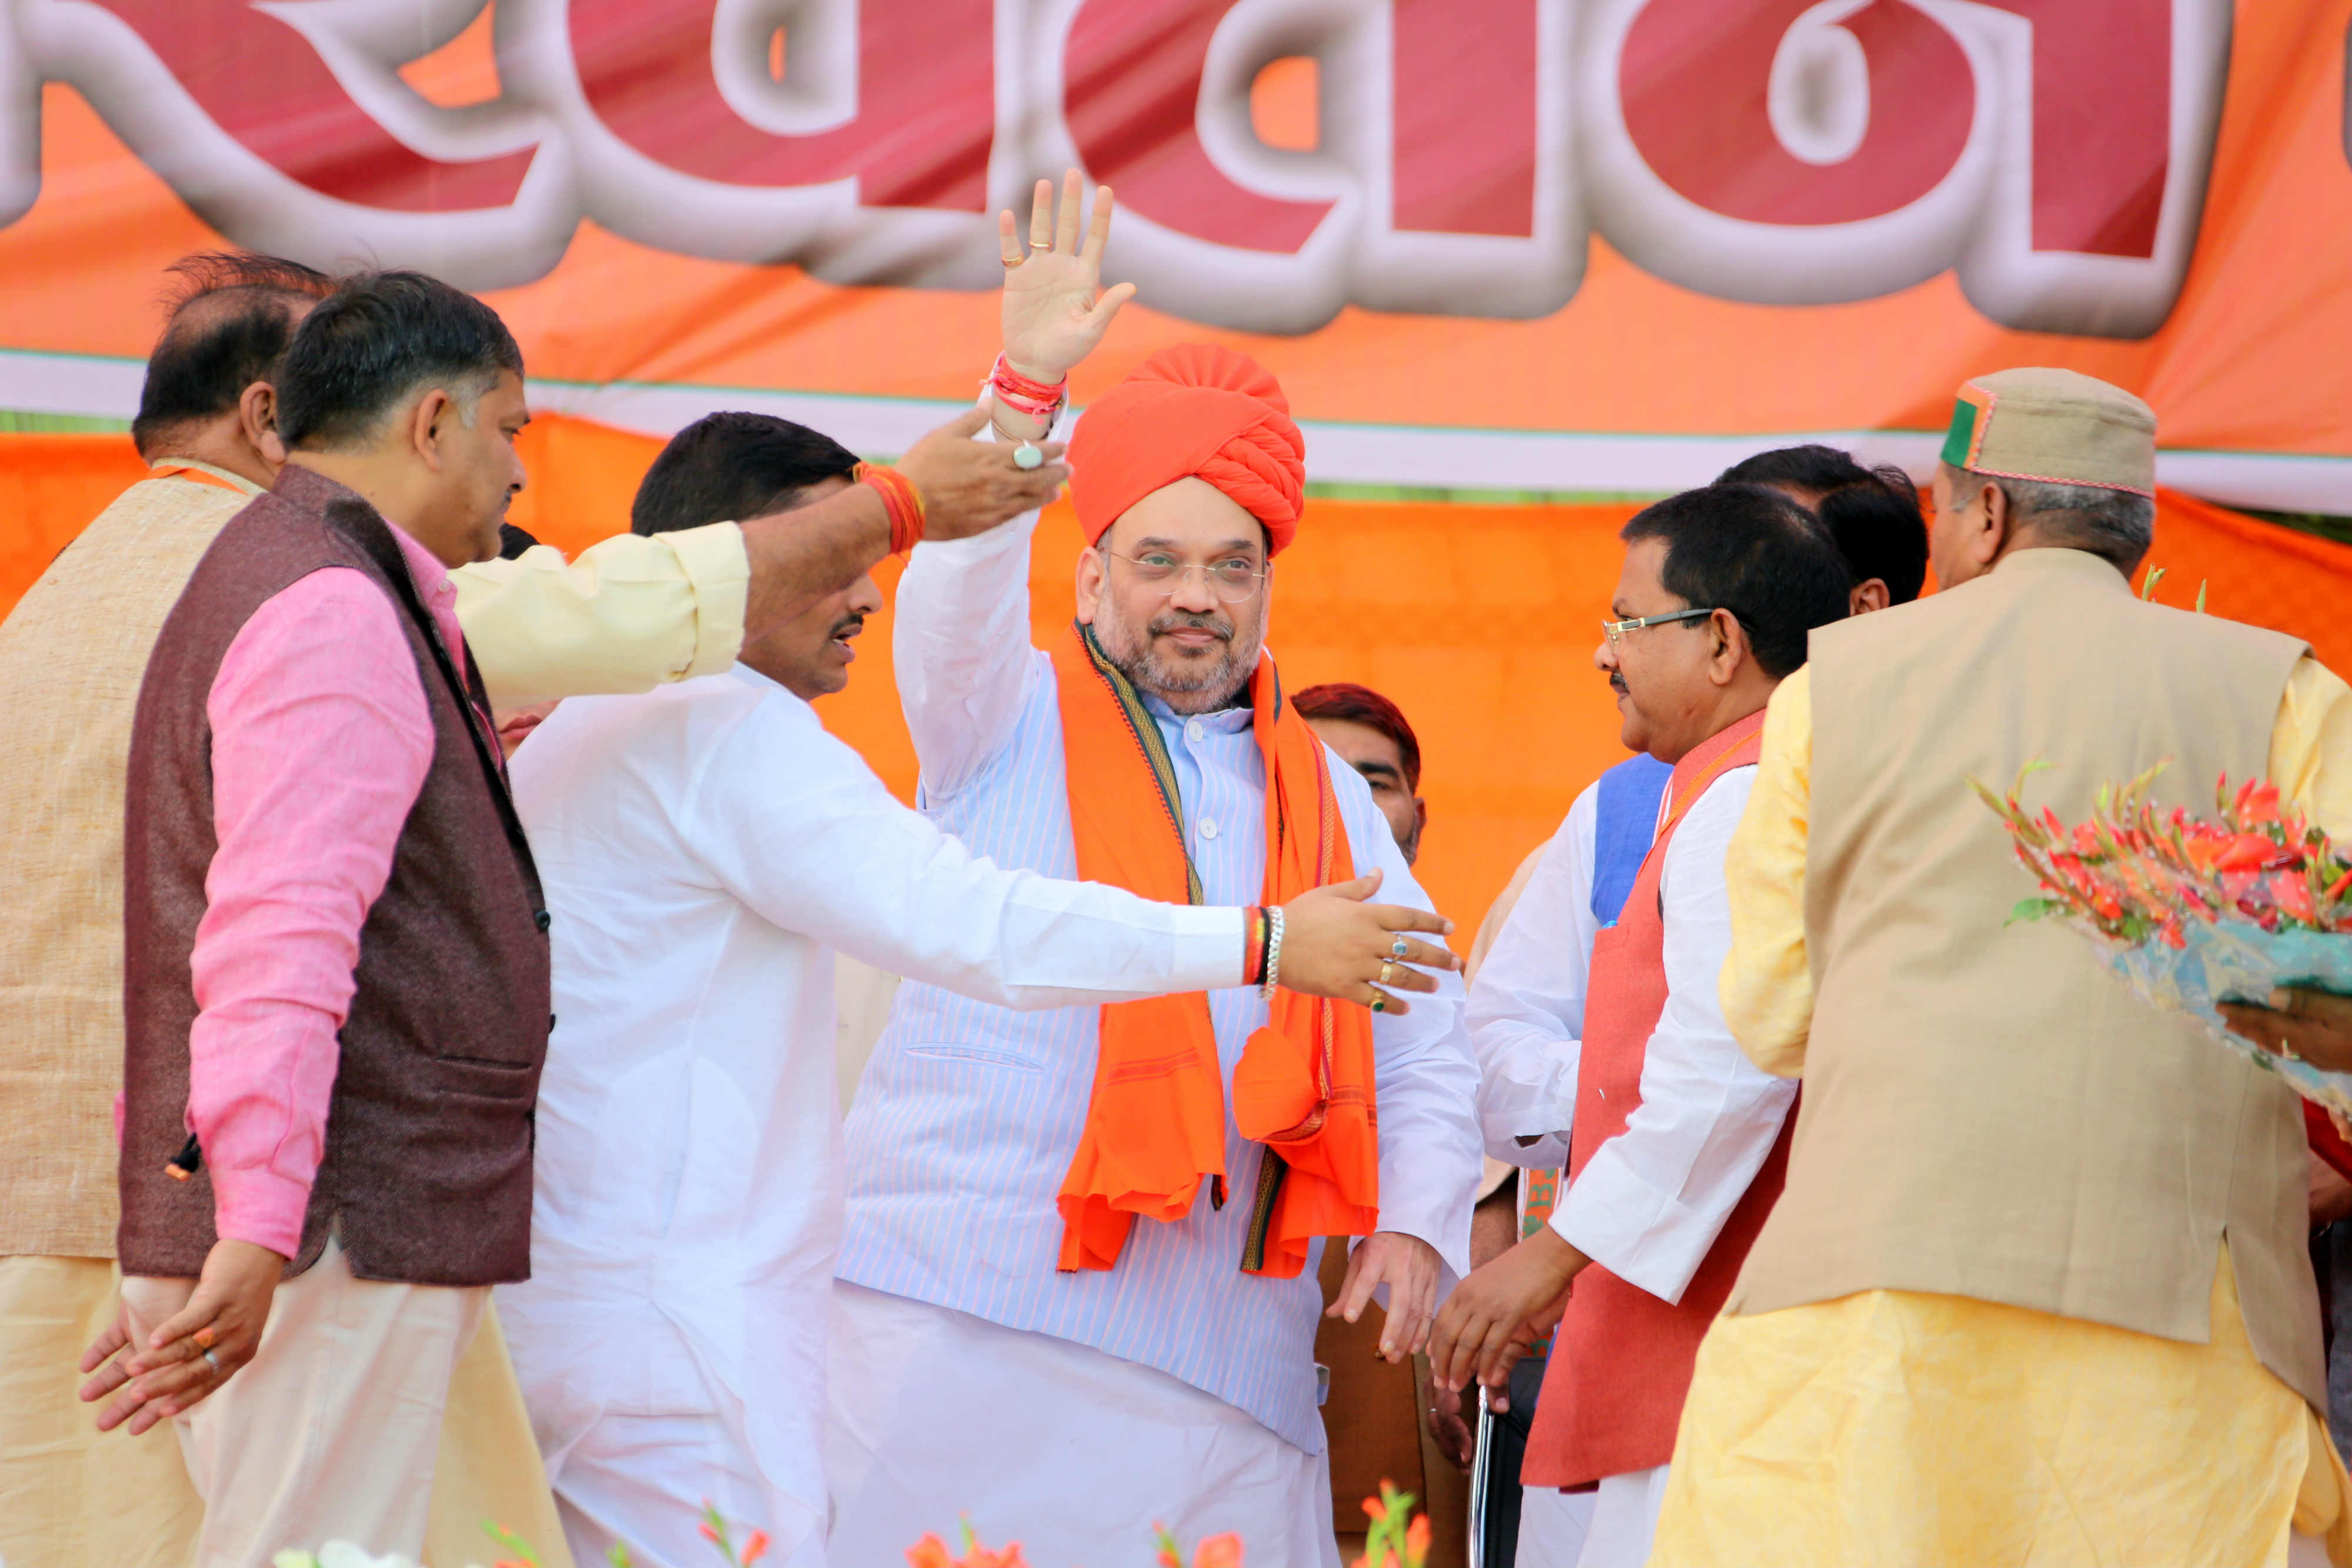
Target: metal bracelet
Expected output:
[1273,950]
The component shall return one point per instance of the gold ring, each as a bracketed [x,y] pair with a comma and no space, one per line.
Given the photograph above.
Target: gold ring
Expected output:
[1011,262]
[1388,968]
[1041,244]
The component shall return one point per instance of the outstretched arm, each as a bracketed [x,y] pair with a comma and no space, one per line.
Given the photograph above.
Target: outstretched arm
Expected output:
[794,824]
[960,638]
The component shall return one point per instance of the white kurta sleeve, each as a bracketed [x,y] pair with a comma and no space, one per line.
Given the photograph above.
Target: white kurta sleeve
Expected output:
[959,644]
[1526,1008]
[1651,1201]
[1426,1078]
[793,823]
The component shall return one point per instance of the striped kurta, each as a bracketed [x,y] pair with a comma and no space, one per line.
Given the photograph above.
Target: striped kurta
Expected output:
[968,1113]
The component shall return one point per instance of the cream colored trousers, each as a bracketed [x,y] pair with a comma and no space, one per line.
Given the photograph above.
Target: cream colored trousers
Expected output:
[330,1432]
[72,1495]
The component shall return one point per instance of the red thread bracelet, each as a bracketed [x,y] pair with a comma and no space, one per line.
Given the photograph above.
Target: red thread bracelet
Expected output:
[900,499]
[1041,401]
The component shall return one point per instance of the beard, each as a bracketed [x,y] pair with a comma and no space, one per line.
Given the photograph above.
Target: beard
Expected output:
[1201,683]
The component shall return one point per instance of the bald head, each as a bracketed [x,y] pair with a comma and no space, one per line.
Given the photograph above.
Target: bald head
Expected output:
[229,316]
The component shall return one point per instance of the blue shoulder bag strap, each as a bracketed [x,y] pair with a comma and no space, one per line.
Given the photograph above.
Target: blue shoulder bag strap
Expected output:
[1626,825]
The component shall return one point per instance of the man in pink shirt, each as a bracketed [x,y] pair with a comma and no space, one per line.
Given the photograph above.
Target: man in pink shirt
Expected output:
[336,964]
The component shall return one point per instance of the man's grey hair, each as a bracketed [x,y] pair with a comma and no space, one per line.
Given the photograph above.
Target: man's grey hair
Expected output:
[2118,525]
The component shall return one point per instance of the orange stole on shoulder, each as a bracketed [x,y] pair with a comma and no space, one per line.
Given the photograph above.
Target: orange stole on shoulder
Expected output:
[1304,1087]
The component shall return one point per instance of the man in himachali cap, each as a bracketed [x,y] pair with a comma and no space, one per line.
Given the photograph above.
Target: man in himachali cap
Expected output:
[2010,1176]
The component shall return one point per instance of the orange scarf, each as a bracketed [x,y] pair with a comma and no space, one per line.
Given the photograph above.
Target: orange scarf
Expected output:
[1304,1087]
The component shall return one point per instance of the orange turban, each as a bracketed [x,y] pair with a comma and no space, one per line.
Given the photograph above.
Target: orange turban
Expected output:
[1197,410]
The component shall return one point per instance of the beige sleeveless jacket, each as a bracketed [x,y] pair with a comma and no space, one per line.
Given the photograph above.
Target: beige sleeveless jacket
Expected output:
[1988,1112]
[71,655]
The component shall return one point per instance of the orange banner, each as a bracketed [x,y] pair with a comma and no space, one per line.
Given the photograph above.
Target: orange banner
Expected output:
[1510,244]
[1486,643]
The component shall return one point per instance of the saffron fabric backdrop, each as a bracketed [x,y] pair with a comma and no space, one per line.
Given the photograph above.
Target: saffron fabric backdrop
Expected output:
[1479,621]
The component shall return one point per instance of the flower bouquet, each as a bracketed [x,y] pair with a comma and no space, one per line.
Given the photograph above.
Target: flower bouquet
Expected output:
[2196,911]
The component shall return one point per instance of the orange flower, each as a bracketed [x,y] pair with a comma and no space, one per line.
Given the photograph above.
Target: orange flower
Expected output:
[930,1551]
[2294,894]
[1219,1551]
[755,1548]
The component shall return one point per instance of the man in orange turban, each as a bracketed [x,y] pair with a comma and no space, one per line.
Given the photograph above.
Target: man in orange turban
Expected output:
[1077,1291]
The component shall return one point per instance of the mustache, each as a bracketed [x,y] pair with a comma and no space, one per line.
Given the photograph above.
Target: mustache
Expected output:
[849,626]
[1616,683]
[1215,625]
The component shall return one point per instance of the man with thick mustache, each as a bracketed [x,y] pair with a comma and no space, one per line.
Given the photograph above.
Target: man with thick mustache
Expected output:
[1678,1142]
[1087,1302]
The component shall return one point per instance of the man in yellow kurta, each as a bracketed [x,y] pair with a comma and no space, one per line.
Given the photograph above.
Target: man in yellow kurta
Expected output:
[630,613]
[2037,1288]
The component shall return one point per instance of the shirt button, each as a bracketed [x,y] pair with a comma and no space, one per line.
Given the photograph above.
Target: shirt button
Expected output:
[1194,730]
[1208,827]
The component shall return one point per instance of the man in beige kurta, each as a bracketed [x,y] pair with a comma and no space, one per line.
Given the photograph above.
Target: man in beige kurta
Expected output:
[2037,1288]
[632,612]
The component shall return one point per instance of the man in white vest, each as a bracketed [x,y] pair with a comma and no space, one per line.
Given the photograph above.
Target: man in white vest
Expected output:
[2037,1287]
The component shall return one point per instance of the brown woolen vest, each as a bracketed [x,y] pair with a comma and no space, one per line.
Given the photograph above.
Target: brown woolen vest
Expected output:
[426,1168]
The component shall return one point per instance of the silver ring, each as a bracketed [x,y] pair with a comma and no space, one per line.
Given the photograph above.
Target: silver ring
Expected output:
[1027,455]
[1398,948]
[212,1360]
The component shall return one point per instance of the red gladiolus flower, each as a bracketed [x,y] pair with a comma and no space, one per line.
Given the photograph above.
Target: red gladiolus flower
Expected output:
[930,1551]
[709,1534]
[2247,852]
[2294,894]
[755,1548]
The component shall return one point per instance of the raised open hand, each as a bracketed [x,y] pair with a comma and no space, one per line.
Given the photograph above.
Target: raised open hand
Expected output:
[1056,308]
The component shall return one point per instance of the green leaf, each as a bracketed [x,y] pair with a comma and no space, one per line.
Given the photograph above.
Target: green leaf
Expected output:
[2034,909]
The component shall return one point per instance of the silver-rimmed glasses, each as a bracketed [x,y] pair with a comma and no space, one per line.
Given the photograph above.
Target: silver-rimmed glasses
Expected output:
[1614,630]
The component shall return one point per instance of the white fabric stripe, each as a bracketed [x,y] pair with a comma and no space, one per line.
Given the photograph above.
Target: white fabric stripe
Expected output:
[1600,462]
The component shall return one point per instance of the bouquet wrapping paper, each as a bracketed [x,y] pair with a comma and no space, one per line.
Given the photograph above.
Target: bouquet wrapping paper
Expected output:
[2192,911]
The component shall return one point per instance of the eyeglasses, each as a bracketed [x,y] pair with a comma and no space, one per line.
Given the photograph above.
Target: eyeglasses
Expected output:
[1614,630]
[1233,580]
